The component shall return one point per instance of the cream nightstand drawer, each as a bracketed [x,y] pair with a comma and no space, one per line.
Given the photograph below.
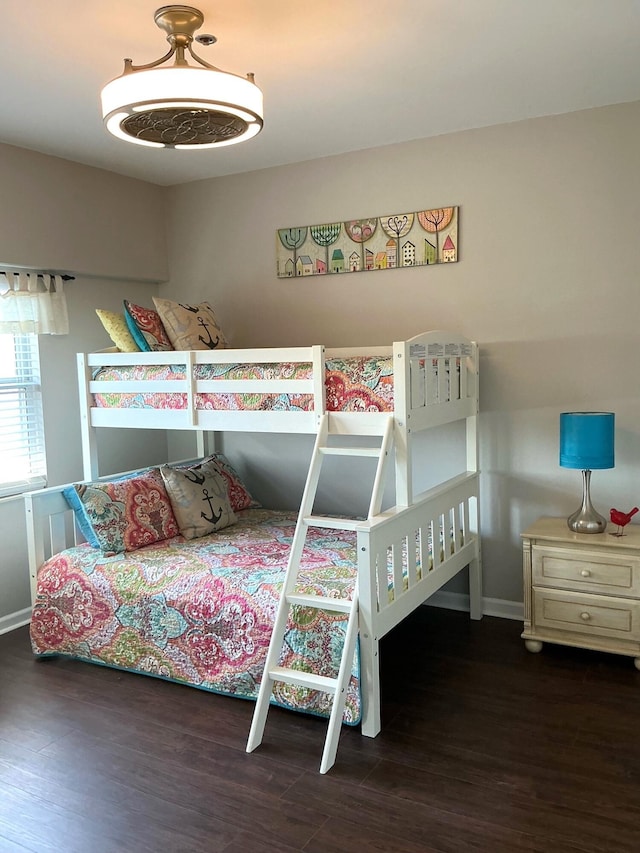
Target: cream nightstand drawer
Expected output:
[584,570]
[581,589]
[597,615]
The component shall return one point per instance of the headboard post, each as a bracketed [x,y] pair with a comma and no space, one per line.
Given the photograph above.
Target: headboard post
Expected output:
[88,433]
[402,403]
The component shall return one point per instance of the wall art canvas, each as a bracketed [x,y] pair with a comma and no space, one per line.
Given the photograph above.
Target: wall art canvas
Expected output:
[416,239]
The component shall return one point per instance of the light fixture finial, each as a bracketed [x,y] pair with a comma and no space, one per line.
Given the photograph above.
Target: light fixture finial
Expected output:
[181,105]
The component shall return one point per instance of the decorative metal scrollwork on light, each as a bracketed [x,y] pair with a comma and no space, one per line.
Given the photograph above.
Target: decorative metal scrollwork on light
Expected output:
[181,105]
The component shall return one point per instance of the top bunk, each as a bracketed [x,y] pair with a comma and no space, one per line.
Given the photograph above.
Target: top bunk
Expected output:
[426,381]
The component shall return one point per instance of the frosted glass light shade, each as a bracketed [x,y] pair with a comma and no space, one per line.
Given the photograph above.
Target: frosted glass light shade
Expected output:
[587,440]
[182,107]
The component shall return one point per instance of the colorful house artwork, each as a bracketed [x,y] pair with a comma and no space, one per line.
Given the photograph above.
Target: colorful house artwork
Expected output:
[419,239]
[304,265]
[408,254]
[448,251]
[429,252]
[368,259]
[392,253]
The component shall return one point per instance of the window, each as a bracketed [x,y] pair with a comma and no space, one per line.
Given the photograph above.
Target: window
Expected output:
[22,457]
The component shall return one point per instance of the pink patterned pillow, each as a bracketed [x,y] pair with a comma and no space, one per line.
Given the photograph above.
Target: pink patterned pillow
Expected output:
[239,495]
[146,328]
[124,514]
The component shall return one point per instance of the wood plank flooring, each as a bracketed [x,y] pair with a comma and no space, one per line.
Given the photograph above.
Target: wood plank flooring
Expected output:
[484,747]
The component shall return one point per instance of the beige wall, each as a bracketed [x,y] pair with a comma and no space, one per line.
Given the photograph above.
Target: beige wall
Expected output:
[546,282]
[109,231]
[58,215]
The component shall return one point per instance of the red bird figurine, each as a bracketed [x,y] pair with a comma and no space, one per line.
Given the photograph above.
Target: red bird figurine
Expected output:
[621,519]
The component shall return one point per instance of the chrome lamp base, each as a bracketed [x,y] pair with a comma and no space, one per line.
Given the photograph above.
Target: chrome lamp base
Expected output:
[586,519]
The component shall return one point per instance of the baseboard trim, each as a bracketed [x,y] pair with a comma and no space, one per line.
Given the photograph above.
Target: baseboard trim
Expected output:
[490,606]
[15,620]
[447,600]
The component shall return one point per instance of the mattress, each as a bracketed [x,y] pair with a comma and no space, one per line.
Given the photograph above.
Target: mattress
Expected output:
[355,384]
[200,612]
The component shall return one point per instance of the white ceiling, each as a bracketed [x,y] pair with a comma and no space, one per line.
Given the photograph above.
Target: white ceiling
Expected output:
[337,75]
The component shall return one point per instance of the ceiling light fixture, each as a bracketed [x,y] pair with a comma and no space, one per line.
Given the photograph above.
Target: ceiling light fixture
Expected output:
[181,105]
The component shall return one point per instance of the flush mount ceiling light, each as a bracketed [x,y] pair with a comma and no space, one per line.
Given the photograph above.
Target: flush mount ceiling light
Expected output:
[181,105]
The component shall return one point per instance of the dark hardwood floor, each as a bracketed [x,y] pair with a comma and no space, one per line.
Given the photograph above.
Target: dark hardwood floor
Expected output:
[484,747]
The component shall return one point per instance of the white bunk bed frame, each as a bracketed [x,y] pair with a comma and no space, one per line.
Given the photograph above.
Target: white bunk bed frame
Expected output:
[435,383]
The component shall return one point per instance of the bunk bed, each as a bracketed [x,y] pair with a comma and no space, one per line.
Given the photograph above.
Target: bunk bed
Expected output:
[395,557]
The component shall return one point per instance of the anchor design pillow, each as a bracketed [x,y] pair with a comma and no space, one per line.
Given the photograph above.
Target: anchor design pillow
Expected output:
[190,326]
[199,497]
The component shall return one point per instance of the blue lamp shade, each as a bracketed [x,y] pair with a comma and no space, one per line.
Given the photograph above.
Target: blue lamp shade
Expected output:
[587,440]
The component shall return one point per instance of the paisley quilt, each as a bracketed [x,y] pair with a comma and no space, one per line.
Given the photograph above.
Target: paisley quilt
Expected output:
[355,384]
[200,612]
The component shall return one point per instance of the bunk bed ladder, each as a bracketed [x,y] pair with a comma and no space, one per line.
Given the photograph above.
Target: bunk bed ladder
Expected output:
[337,687]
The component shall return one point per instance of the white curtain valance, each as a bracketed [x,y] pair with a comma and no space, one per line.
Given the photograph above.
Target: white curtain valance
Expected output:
[32,303]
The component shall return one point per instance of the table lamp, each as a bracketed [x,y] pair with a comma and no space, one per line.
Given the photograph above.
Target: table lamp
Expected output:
[587,443]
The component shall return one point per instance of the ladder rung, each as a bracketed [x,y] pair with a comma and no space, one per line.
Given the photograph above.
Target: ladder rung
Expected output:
[303,679]
[333,523]
[350,451]
[322,602]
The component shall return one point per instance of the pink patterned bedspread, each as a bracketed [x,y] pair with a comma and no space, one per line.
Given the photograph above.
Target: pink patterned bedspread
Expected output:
[200,612]
[355,384]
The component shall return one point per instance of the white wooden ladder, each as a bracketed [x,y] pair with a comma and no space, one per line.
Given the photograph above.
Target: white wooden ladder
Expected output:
[337,687]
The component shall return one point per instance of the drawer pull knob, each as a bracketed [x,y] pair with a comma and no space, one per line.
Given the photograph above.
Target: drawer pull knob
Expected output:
[585,573]
[585,616]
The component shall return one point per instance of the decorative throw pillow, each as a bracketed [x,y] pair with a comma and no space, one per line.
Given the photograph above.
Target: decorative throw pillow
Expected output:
[123,514]
[239,495]
[190,326]
[116,327]
[199,498]
[146,328]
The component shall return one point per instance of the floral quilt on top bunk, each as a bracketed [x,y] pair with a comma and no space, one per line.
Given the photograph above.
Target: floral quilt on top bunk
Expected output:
[354,384]
[200,611]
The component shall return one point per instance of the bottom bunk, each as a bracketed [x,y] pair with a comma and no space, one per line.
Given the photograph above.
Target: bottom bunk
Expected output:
[200,611]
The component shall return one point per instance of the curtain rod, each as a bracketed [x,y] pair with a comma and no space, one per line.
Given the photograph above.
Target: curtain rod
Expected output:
[63,277]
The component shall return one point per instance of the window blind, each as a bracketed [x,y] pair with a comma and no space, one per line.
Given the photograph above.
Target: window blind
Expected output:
[22,450]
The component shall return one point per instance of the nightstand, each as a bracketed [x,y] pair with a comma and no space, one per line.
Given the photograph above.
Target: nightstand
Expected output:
[581,589]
